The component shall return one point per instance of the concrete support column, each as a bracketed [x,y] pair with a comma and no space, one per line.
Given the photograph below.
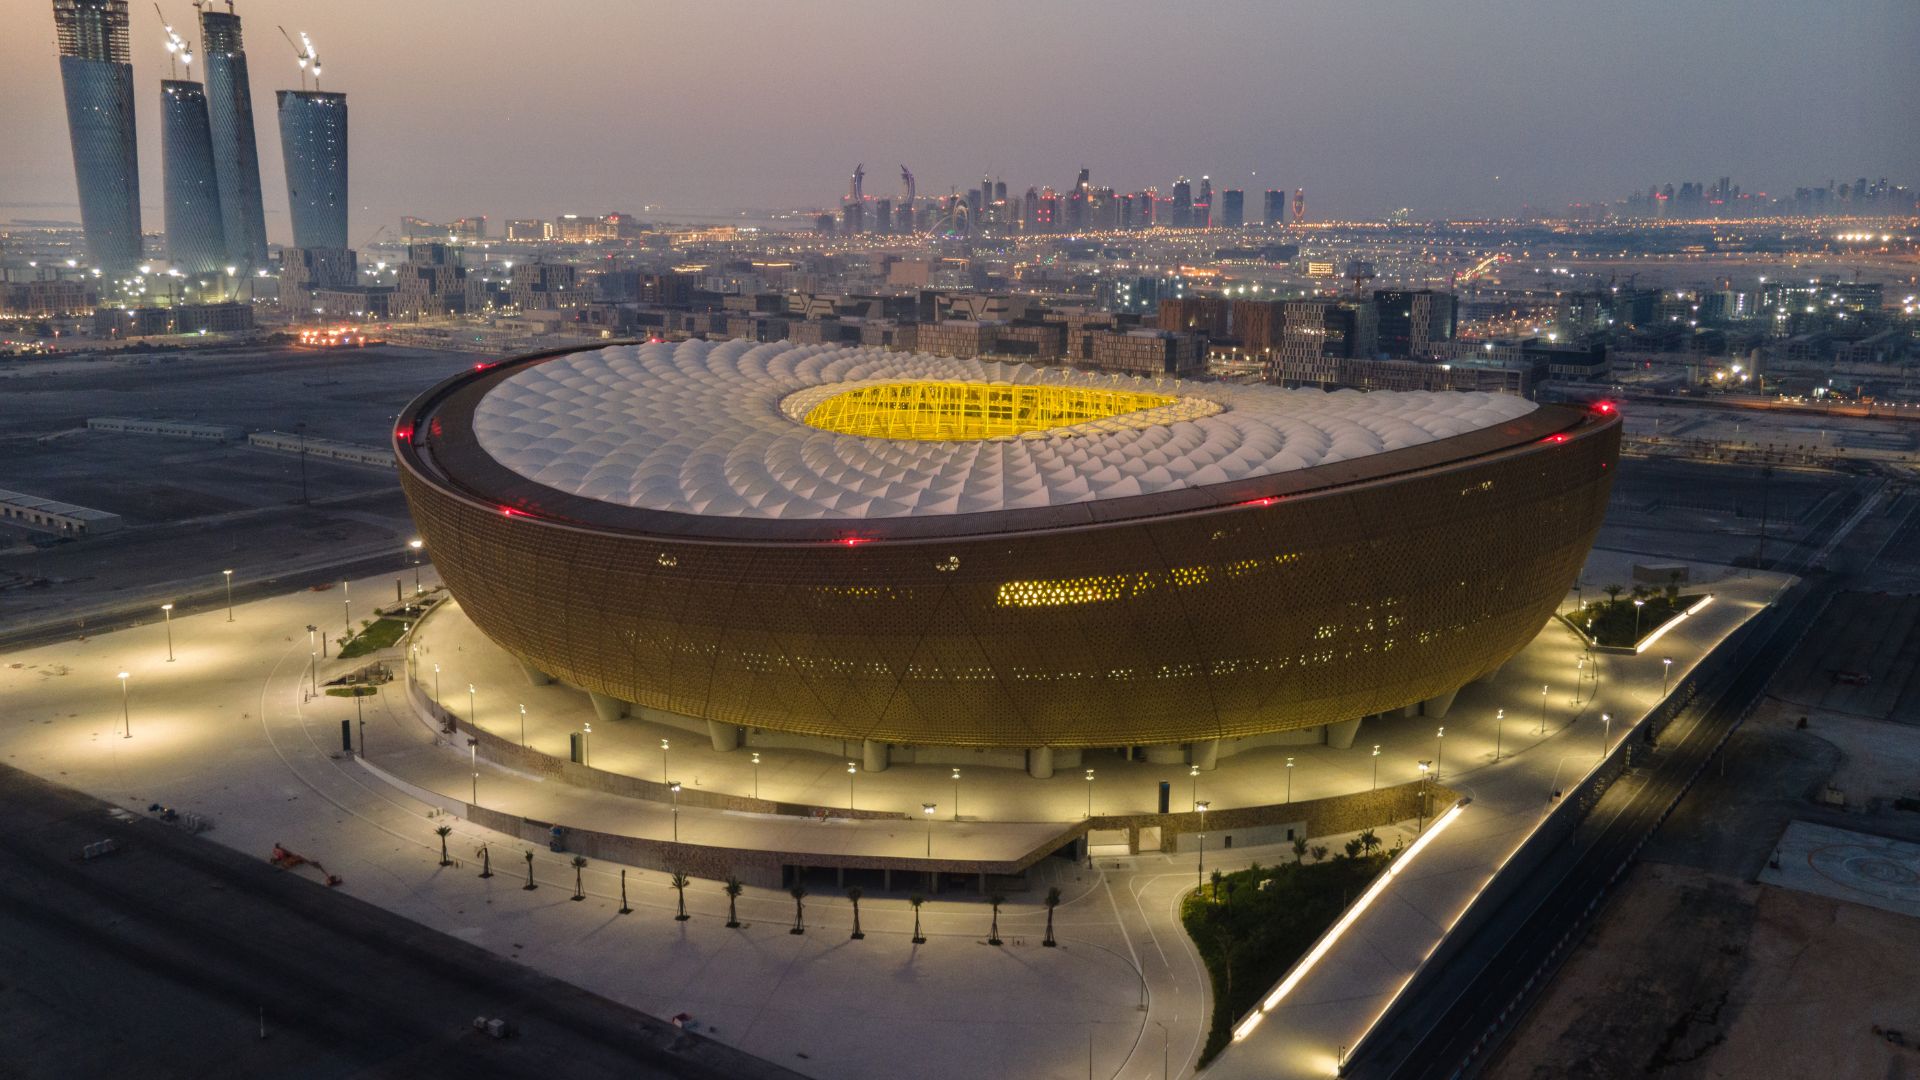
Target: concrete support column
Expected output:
[1167,754]
[1206,754]
[725,736]
[873,755]
[607,709]
[1410,711]
[535,676]
[1340,736]
[1068,759]
[1437,706]
[1040,762]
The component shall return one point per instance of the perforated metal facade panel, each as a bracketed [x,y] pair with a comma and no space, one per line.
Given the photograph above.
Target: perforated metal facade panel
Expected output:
[1318,605]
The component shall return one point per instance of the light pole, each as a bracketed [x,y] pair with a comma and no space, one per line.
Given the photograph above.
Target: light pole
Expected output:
[1543,710]
[126,714]
[346,604]
[1200,864]
[956,794]
[416,544]
[1606,734]
[586,736]
[360,720]
[313,674]
[1376,766]
[1193,797]
[473,762]
[523,727]
[1637,605]
[1439,744]
[472,712]
[852,771]
[166,610]
[229,577]
[928,808]
[436,684]
[1289,779]
[756,774]
[674,786]
[1421,810]
[663,761]
[1499,728]
[1579,678]
[1089,806]
[1666,674]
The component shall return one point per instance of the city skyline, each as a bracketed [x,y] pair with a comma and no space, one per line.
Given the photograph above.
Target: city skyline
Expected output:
[1422,125]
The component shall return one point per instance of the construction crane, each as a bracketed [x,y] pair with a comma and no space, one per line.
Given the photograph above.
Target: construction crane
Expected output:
[303,55]
[178,48]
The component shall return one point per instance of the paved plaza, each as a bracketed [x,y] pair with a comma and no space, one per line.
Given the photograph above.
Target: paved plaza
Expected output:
[226,731]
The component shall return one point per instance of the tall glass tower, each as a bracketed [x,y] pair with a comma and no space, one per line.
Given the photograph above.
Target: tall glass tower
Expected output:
[196,237]
[313,143]
[97,73]
[236,156]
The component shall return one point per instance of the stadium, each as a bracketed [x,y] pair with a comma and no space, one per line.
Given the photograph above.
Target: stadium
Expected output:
[901,550]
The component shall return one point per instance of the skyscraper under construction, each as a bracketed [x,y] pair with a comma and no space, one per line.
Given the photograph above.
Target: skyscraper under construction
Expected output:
[97,74]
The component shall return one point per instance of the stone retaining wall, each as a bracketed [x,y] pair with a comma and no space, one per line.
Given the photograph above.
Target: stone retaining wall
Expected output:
[1330,816]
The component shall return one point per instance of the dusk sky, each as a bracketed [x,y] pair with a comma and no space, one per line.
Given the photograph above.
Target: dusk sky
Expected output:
[519,109]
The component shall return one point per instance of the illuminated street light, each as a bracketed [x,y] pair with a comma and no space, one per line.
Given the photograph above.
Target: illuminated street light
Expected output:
[1376,767]
[1606,734]
[1089,803]
[523,727]
[756,774]
[664,747]
[852,771]
[956,794]
[1666,673]
[126,715]
[1421,809]
[1439,744]
[346,604]
[1543,710]
[1194,796]
[229,576]
[1637,605]
[1289,779]
[1200,864]
[416,544]
[473,762]
[436,684]
[928,808]
[1499,728]
[674,786]
[167,611]
[472,712]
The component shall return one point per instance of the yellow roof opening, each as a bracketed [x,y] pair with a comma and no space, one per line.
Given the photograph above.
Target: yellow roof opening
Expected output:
[971,410]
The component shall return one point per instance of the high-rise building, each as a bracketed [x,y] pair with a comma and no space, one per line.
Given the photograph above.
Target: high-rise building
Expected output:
[1233,208]
[97,73]
[236,154]
[853,218]
[883,216]
[196,237]
[313,144]
[1203,206]
[1412,321]
[1182,215]
[1276,210]
[1299,205]
[529,229]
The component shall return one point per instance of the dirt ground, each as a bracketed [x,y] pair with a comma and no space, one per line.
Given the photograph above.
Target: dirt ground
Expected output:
[1695,970]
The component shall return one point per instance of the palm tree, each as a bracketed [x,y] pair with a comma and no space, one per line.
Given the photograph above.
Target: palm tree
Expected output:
[799,893]
[916,900]
[579,864]
[1052,901]
[1319,852]
[733,890]
[443,832]
[1613,592]
[1354,847]
[529,886]
[1368,841]
[993,934]
[1299,849]
[1216,878]
[854,894]
[680,886]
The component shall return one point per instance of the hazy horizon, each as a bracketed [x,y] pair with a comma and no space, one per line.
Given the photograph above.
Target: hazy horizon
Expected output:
[517,110]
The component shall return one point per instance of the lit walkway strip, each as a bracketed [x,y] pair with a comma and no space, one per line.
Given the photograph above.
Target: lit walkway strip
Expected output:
[1671,623]
[1353,913]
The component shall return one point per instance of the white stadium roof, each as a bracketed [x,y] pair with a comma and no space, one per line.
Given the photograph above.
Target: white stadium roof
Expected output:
[698,427]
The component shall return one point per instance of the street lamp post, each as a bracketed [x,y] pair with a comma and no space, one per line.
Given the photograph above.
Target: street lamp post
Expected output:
[664,747]
[473,762]
[756,774]
[416,544]
[1666,674]
[1439,745]
[1289,779]
[360,719]
[229,577]
[956,794]
[1606,734]
[1543,710]
[674,786]
[1637,605]
[1089,802]
[586,736]
[346,604]
[436,684]
[1376,766]
[523,727]
[1200,864]
[852,771]
[1193,797]
[1579,678]
[313,674]
[1421,810]
[126,714]
[472,711]
[1499,728]
[928,808]
[166,610]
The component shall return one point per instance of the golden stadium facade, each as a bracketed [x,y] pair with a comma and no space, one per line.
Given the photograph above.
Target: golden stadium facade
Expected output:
[911,550]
